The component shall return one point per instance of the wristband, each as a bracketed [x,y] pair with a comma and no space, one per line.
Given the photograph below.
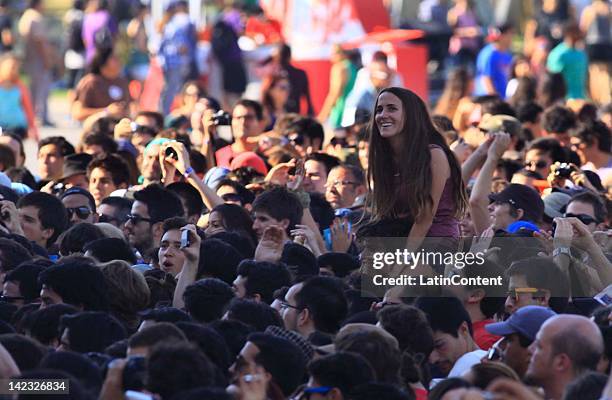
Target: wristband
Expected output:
[562,250]
[187,172]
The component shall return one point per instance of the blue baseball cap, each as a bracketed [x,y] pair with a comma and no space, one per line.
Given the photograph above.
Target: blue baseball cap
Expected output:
[214,176]
[526,321]
[525,225]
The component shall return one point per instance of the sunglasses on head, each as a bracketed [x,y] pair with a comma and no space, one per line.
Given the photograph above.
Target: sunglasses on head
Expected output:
[81,212]
[585,219]
[516,292]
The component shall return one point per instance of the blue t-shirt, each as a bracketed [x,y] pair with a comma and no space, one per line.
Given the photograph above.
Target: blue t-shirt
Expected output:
[12,114]
[496,65]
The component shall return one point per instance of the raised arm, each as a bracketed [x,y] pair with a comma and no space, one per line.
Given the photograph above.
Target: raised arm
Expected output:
[189,272]
[479,199]
[209,196]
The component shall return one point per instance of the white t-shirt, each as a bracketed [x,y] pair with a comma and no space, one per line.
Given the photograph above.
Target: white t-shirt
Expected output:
[465,362]
[462,365]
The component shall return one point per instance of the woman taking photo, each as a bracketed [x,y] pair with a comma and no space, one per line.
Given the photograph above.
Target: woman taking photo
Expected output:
[418,192]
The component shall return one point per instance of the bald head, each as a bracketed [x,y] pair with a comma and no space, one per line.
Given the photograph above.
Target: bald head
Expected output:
[576,336]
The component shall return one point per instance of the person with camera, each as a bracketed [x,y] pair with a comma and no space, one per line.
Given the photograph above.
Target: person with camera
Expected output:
[247,124]
[564,174]
[173,158]
[575,249]
[592,143]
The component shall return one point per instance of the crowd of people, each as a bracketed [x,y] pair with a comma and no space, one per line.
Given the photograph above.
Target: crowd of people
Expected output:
[221,248]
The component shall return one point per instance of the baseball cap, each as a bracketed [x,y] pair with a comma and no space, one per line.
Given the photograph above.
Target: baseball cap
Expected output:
[523,197]
[554,203]
[215,175]
[522,226]
[82,192]
[526,321]
[302,343]
[249,159]
[75,164]
[500,122]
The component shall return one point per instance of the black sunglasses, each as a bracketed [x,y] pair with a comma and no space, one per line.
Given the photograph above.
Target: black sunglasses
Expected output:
[9,299]
[137,218]
[107,218]
[585,219]
[81,212]
[231,197]
[144,129]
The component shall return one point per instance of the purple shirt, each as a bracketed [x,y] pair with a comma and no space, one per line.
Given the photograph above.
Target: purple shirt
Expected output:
[445,224]
[92,22]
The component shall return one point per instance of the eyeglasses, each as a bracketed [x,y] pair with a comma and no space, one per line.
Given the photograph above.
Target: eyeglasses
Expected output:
[135,219]
[537,164]
[340,183]
[284,305]
[309,391]
[9,299]
[516,292]
[585,219]
[81,212]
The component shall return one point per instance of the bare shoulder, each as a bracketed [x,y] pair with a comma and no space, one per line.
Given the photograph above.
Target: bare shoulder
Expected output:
[439,162]
[437,153]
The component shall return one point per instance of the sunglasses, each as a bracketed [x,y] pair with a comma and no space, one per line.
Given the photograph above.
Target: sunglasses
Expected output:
[585,219]
[538,164]
[107,218]
[81,212]
[516,292]
[231,197]
[135,219]
[144,129]
[9,299]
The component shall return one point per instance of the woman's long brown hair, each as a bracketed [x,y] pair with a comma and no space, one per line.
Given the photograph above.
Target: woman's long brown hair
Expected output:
[418,132]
